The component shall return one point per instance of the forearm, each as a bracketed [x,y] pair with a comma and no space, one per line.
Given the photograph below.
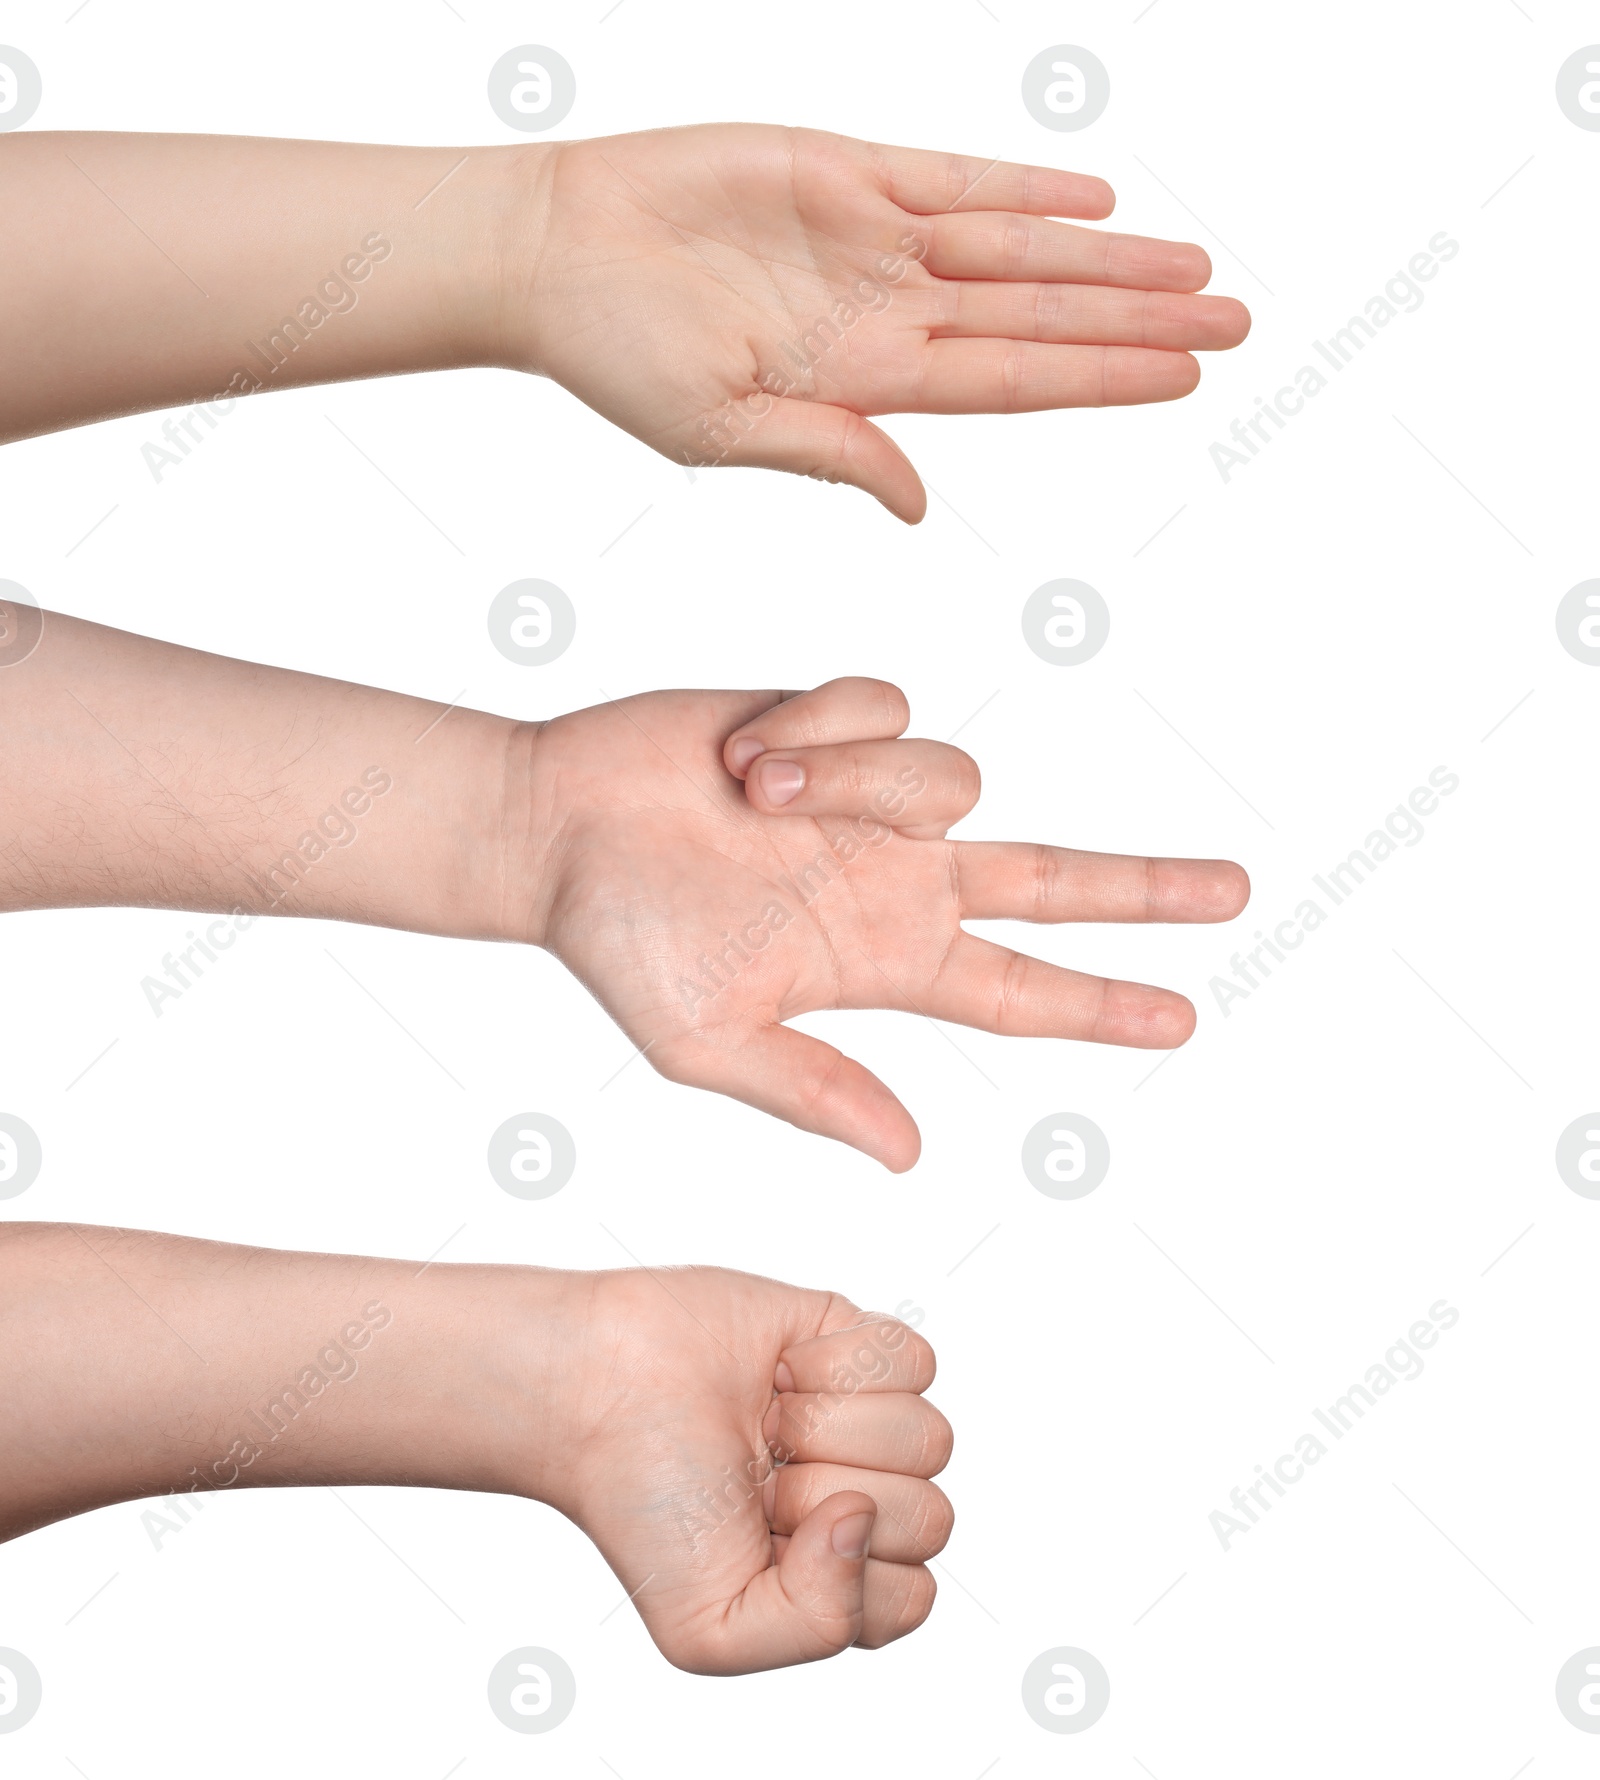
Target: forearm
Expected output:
[158,271]
[139,773]
[139,1364]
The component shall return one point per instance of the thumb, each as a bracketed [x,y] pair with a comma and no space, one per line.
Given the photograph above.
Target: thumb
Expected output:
[834,445]
[796,1077]
[809,1605]
[822,1570]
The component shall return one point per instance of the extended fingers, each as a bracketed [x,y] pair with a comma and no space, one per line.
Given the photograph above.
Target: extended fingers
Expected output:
[882,1431]
[1090,315]
[1026,377]
[1021,881]
[998,990]
[924,181]
[995,244]
[852,708]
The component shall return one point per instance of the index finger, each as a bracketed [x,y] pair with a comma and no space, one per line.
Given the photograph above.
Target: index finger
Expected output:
[851,709]
[926,182]
[1022,881]
[877,1353]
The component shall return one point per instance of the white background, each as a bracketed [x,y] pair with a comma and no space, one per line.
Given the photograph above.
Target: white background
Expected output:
[1293,653]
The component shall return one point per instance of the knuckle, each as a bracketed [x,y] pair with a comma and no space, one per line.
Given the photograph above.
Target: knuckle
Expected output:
[924,1363]
[909,1597]
[818,1091]
[1151,313]
[969,781]
[1047,881]
[936,1520]
[886,703]
[935,1442]
[1011,991]
[1046,309]
[854,776]
[921,1592]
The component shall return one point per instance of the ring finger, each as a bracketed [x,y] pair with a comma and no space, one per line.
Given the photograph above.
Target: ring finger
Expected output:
[914,1517]
[1091,315]
[917,787]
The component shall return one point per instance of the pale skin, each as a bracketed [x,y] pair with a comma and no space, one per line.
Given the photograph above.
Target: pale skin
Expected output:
[738,294]
[752,1459]
[709,864]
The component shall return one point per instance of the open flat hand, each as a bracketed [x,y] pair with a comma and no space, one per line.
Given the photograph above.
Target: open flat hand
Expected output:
[746,294]
[712,864]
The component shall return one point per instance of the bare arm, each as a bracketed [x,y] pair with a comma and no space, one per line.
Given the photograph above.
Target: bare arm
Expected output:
[709,864]
[140,773]
[146,1365]
[159,271]
[140,1365]
[728,293]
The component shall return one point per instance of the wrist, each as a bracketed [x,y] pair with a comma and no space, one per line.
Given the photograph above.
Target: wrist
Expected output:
[443,861]
[489,1370]
[506,222]
[526,826]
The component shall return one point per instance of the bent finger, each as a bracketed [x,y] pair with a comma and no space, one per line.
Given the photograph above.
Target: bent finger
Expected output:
[915,1517]
[884,1431]
[874,1353]
[914,785]
[895,1598]
[850,709]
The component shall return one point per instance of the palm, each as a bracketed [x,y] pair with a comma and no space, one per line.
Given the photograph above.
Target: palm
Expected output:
[693,918]
[702,922]
[723,241]
[744,294]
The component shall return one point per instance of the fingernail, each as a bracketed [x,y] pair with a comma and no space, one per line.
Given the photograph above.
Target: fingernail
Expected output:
[850,1536]
[782,1377]
[780,780]
[743,751]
